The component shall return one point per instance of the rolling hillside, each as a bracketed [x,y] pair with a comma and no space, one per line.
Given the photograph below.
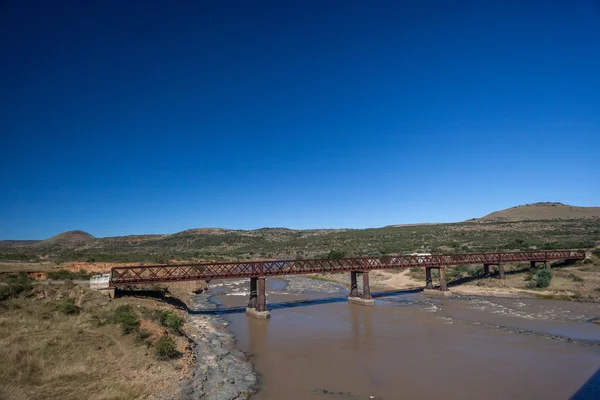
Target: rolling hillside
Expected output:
[223,244]
[542,211]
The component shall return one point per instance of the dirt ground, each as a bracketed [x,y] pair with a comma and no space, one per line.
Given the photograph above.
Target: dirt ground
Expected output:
[49,354]
[579,282]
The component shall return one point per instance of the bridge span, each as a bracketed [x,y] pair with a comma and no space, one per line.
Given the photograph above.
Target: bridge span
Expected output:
[257,271]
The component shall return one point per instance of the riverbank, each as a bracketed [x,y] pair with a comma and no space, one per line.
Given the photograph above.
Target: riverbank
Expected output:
[221,371]
[59,341]
[318,346]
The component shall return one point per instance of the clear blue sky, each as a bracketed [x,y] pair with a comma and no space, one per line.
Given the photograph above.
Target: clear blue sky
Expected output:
[123,117]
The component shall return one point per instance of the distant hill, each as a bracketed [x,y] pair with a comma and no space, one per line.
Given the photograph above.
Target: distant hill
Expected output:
[541,211]
[67,238]
[4,244]
[545,226]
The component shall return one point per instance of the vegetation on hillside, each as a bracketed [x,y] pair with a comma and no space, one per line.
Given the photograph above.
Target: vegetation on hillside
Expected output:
[56,342]
[220,244]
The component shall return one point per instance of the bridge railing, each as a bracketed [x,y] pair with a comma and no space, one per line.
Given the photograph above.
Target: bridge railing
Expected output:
[187,272]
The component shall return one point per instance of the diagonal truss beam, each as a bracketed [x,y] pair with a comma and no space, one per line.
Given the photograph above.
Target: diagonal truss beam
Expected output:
[121,276]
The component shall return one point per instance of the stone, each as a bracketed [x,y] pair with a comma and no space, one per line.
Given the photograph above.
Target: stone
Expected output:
[258,314]
[362,302]
[436,292]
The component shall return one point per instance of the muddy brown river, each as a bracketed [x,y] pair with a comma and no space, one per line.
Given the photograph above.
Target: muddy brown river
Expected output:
[317,346]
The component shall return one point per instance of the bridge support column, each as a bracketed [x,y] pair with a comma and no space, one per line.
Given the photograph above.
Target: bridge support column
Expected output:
[260,311]
[443,285]
[532,264]
[366,287]
[547,265]
[353,284]
[443,289]
[501,271]
[364,299]
[428,280]
[253,293]
[486,269]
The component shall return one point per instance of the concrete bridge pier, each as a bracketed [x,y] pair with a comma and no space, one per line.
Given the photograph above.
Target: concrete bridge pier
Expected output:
[257,306]
[253,294]
[428,280]
[486,269]
[443,284]
[501,271]
[364,298]
[443,289]
[353,284]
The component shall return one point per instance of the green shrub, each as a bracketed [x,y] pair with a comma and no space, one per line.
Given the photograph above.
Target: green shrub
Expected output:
[143,335]
[68,307]
[15,284]
[541,279]
[130,324]
[169,320]
[165,347]
[596,252]
[127,318]
[335,254]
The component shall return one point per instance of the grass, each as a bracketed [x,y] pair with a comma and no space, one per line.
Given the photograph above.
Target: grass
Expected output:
[51,348]
[14,284]
[64,274]
[165,347]
[576,278]
[169,319]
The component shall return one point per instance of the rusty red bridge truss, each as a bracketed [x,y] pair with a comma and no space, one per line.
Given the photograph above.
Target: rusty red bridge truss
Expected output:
[257,271]
[122,276]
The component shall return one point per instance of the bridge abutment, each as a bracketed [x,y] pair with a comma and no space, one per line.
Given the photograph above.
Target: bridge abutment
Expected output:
[257,306]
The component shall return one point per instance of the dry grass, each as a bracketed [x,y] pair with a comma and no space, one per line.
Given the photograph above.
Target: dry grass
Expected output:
[49,355]
[579,281]
[540,211]
[27,266]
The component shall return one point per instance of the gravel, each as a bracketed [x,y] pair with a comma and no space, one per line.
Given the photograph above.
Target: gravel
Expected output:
[302,284]
[222,372]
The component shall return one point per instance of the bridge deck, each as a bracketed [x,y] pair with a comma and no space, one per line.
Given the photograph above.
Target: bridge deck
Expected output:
[123,276]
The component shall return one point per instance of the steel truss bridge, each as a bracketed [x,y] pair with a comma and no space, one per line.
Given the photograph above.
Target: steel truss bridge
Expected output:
[135,275]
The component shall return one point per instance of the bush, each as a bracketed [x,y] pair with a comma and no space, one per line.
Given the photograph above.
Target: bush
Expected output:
[165,347]
[143,335]
[541,279]
[127,318]
[169,320]
[15,284]
[596,252]
[335,254]
[68,307]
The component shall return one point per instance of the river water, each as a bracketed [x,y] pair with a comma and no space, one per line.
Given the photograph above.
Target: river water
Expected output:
[317,346]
